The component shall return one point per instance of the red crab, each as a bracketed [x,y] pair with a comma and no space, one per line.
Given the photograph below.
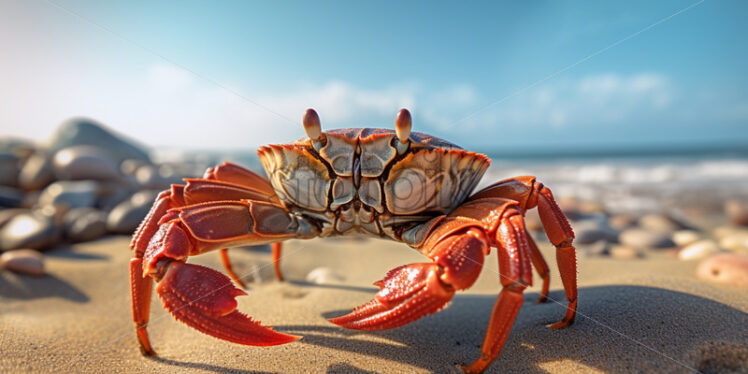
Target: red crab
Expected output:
[399,185]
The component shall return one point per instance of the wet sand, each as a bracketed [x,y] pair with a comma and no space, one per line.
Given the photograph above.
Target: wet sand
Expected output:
[646,315]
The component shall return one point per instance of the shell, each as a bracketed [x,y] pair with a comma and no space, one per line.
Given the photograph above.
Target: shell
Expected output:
[359,177]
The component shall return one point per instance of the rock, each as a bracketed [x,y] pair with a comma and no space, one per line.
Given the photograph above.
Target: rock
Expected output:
[685,237]
[659,222]
[643,239]
[9,169]
[74,194]
[324,276]
[698,250]
[23,261]
[736,241]
[723,231]
[737,212]
[130,166]
[29,230]
[590,231]
[37,172]
[85,162]
[624,252]
[10,197]
[726,268]
[112,193]
[147,176]
[127,215]
[19,147]
[621,221]
[83,131]
[84,224]
[598,248]
[7,214]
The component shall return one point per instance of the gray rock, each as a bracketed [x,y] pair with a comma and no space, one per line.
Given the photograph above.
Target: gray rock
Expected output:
[324,275]
[9,169]
[698,250]
[83,131]
[113,193]
[29,230]
[74,194]
[84,224]
[643,239]
[598,248]
[725,268]
[23,261]
[130,166]
[85,162]
[126,216]
[19,147]
[590,231]
[37,172]
[737,212]
[10,197]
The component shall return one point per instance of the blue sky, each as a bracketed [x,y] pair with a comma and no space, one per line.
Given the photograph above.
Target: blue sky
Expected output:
[467,73]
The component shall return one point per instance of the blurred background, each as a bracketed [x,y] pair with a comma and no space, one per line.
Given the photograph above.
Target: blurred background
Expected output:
[631,107]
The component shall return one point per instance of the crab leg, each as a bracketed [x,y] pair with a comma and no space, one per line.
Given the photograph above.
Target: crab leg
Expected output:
[276,260]
[229,269]
[515,275]
[541,266]
[410,292]
[199,296]
[530,193]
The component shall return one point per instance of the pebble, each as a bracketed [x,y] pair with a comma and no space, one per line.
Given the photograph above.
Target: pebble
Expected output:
[727,268]
[29,230]
[74,194]
[624,252]
[685,237]
[127,215]
[84,224]
[598,248]
[19,147]
[590,231]
[736,241]
[84,131]
[7,214]
[324,275]
[698,250]
[23,261]
[659,222]
[737,212]
[621,221]
[85,162]
[10,197]
[37,172]
[9,169]
[640,238]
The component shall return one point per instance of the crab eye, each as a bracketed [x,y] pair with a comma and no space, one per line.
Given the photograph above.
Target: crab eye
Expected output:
[403,125]
[311,125]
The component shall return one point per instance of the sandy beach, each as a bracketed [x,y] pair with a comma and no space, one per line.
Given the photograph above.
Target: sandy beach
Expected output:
[643,315]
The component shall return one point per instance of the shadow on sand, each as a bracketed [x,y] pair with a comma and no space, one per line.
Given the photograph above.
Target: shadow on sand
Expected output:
[24,287]
[648,329]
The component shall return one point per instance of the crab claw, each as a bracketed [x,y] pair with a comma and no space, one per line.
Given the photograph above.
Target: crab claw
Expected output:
[406,294]
[205,300]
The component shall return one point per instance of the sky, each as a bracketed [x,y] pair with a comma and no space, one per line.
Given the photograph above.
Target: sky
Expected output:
[485,75]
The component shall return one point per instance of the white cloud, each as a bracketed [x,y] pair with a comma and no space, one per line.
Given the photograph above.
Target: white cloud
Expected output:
[599,99]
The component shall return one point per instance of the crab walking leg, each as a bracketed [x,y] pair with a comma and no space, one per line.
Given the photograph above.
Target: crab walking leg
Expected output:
[516,274]
[198,296]
[541,266]
[276,260]
[140,290]
[530,194]
[230,269]
[410,292]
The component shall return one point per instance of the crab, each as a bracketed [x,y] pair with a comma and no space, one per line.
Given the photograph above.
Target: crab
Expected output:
[398,185]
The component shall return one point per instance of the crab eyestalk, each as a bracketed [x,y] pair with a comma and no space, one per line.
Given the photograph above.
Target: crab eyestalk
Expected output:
[403,124]
[313,128]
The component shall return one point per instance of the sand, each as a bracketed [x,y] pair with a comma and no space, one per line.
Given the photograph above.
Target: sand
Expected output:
[646,315]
